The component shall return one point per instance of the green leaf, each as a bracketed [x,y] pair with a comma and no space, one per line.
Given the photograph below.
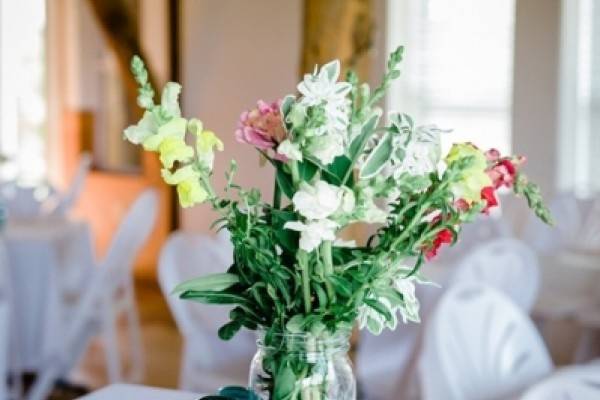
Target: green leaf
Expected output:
[378,157]
[285,382]
[212,282]
[307,170]
[358,144]
[286,105]
[228,331]
[337,170]
[287,238]
[213,297]
[295,324]
[341,285]
[284,181]
[380,308]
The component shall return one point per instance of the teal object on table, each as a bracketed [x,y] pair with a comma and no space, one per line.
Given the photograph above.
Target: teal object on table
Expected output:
[232,393]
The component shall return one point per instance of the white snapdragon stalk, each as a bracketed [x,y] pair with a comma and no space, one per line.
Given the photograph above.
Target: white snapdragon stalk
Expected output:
[313,233]
[321,88]
[327,147]
[317,201]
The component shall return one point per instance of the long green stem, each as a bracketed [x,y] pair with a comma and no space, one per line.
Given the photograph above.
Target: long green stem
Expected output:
[295,173]
[302,257]
[328,267]
[411,226]
[276,196]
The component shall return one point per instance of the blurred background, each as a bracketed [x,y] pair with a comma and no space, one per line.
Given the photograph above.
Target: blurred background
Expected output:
[519,75]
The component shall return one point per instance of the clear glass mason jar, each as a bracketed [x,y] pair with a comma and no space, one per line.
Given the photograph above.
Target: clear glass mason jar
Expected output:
[302,366]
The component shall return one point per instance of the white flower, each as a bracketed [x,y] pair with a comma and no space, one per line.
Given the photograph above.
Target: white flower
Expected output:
[313,233]
[322,86]
[327,147]
[290,150]
[318,201]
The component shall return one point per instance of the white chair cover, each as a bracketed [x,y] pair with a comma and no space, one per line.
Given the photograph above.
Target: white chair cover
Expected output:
[505,264]
[207,361]
[479,345]
[571,383]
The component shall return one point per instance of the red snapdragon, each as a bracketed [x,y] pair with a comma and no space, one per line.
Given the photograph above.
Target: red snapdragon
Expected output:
[445,236]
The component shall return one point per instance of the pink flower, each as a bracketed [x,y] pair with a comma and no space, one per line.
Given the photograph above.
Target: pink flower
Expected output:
[261,127]
[502,170]
[492,155]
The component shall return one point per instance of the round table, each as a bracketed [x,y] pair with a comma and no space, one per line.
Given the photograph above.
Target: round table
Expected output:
[49,259]
[575,382]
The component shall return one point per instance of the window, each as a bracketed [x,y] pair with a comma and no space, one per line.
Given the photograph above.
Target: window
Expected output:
[579,137]
[458,67]
[22,89]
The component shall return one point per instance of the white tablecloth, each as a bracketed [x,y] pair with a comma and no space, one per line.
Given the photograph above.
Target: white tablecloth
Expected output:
[48,259]
[135,392]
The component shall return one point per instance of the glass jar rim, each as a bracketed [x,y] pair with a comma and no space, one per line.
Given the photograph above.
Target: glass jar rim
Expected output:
[306,341]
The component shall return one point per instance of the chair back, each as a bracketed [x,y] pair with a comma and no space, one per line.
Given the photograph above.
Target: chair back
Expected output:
[479,345]
[577,382]
[131,235]
[507,265]
[64,202]
[186,256]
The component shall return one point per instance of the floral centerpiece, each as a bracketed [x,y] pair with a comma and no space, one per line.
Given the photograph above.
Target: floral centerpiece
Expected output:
[336,164]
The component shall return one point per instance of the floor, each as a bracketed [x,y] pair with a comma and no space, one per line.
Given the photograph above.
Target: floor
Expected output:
[162,344]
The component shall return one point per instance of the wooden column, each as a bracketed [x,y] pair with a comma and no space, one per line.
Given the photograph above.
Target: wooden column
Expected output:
[341,29]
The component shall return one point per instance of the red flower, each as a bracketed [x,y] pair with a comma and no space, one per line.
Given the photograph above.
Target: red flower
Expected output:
[488,194]
[445,236]
[502,170]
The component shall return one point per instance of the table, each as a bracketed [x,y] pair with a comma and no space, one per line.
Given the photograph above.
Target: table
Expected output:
[137,392]
[573,382]
[48,258]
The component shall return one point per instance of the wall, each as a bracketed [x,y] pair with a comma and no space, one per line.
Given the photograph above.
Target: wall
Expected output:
[233,54]
[535,94]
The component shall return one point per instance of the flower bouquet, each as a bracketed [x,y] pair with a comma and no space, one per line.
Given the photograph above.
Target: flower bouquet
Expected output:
[294,279]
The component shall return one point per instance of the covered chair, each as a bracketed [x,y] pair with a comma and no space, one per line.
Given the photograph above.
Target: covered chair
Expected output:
[507,265]
[207,362]
[479,345]
[109,294]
